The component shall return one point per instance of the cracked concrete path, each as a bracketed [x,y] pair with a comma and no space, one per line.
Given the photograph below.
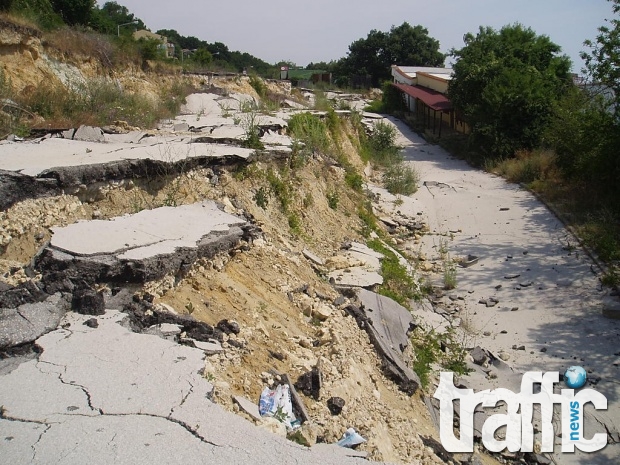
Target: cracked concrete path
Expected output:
[107,395]
[550,301]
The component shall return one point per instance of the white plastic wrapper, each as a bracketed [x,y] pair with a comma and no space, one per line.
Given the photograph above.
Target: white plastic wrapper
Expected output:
[277,403]
[350,438]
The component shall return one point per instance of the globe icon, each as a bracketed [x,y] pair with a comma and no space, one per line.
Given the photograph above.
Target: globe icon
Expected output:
[575,377]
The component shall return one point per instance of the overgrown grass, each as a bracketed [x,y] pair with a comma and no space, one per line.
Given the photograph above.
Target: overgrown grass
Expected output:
[94,102]
[443,349]
[526,167]
[311,131]
[397,282]
[401,179]
[321,102]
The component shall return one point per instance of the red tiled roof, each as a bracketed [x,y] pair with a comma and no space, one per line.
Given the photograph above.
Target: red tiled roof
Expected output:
[435,100]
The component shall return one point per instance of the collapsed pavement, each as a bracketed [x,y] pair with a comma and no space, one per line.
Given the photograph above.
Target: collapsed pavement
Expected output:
[79,270]
[153,406]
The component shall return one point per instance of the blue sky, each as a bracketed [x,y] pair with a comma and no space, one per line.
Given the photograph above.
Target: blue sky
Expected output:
[318,30]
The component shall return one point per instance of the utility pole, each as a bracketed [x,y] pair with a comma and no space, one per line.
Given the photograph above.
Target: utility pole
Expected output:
[118,28]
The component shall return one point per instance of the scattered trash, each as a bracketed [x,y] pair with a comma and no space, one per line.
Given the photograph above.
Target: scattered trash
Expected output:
[350,439]
[277,403]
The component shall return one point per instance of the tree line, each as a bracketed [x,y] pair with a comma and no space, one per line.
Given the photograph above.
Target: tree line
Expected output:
[54,14]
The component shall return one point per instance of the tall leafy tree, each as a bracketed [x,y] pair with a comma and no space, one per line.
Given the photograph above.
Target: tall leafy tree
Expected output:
[603,60]
[585,128]
[74,11]
[505,84]
[404,45]
[110,15]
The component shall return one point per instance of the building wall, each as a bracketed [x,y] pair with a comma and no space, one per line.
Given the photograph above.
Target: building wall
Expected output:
[144,34]
[433,82]
[401,78]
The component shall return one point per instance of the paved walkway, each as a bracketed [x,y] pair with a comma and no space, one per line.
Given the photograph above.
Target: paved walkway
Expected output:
[528,261]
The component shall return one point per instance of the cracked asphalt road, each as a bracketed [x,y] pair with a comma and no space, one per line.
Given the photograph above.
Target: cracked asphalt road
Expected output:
[107,395]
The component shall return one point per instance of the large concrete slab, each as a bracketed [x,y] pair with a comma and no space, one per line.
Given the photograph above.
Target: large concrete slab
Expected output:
[108,395]
[15,187]
[34,158]
[27,322]
[389,325]
[143,246]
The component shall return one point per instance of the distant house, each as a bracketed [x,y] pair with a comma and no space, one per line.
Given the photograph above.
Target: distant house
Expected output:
[424,91]
[164,45]
[305,77]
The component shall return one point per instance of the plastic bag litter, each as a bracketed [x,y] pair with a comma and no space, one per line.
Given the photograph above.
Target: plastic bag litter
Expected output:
[277,403]
[350,438]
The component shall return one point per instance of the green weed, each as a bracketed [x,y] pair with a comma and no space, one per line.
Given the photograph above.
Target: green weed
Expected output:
[398,284]
[332,200]
[449,275]
[401,179]
[294,223]
[444,349]
[311,131]
[262,198]
[354,181]
[280,188]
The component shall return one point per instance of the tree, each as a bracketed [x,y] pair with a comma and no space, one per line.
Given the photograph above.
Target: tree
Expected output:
[202,56]
[404,45]
[585,128]
[505,84]
[107,18]
[74,11]
[603,61]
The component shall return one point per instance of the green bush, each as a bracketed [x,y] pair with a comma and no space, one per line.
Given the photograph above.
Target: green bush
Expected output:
[294,222]
[526,166]
[259,86]
[401,179]
[311,131]
[354,181]
[381,144]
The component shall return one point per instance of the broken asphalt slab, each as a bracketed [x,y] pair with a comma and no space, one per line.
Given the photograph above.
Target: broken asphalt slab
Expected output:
[388,324]
[143,246]
[365,275]
[106,395]
[27,322]
[38,158]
